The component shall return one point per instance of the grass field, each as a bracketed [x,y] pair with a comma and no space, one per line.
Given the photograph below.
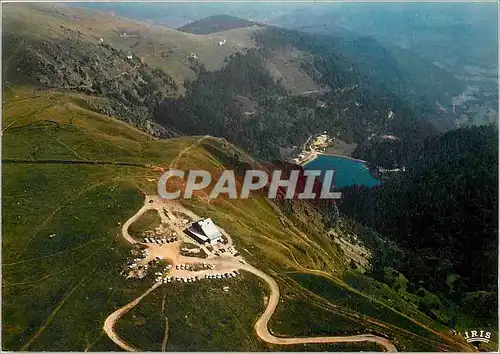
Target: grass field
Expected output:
[201,316]
[57,289]
[60,247]
[148,221]
[62,250]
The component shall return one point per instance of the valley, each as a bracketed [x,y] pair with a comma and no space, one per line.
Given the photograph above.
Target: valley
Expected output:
[96,107]
[463,45]
[110,189]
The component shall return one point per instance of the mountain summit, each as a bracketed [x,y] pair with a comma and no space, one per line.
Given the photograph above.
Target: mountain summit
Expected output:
[217,23]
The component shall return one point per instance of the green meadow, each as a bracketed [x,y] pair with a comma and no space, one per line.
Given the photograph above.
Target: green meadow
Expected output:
[68,186]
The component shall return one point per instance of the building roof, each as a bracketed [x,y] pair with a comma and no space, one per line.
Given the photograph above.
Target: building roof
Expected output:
[205,229]
[209,229]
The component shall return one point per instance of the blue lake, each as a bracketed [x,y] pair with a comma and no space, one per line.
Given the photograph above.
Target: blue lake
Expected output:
[347,172]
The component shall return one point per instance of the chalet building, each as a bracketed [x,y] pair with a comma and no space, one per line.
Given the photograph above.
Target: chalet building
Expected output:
[204,231]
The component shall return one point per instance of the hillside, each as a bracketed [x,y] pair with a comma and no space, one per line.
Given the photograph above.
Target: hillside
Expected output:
[255,105]
[416,28]
[217,23]
[89,125]
[428,34]
[70,282]
[134,65]
[156,76]
[159,47]
[457,225]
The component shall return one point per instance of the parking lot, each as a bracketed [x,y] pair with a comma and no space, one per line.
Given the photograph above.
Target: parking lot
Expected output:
[221,261]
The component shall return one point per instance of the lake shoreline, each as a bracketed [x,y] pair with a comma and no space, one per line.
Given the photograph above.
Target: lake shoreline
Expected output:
[314,155]
[348,170]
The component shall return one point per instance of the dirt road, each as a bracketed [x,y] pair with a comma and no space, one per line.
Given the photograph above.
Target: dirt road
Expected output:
[186,150]
[130,221]
[223,264]
[261,326]
[109,323]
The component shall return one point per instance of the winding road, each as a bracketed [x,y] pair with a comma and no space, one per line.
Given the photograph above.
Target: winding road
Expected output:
[262,329]
[261,326]
[110,322]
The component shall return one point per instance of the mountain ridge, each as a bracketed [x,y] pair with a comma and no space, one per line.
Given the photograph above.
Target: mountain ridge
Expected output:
[216,23]
[292,62]
[74,175]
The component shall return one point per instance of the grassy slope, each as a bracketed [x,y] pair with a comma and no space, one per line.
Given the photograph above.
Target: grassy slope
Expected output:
[159,46]
[148,221]
[57,291]
[46,281]
[191,322]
